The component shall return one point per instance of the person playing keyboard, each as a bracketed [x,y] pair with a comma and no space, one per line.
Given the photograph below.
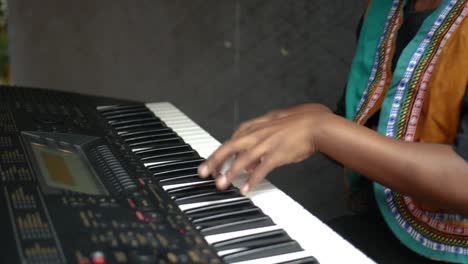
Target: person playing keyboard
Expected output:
[405,134]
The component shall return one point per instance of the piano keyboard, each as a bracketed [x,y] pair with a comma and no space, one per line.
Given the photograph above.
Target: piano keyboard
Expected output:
[266,226]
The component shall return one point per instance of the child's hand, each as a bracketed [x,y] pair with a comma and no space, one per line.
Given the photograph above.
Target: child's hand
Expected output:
[265,143]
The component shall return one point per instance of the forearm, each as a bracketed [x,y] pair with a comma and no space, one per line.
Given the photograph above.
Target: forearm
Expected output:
[433,173]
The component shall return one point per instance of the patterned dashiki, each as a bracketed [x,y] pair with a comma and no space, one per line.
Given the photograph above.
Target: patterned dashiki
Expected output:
[419,101]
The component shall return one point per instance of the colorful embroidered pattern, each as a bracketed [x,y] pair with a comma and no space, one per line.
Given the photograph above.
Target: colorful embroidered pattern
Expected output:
[434,222]
[401,96]
[419,100]
[429,237]
[419,61]
[379,74]
[436,231]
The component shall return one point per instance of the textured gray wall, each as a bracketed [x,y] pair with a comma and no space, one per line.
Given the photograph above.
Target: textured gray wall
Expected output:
[219,61]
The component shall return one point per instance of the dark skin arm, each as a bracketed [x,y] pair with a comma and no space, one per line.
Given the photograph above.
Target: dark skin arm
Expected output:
[431,173]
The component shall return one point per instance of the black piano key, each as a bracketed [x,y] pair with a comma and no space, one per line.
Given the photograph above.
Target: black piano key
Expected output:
[205,188]
[223,212]
[151,136]
[162,144]
[182,191]
[307,260]
[116,123]
[174,173]
[148,139]
[208,196]
[169,187]
[231,217]
[167,167]
[263,252]
[129,135]
[137,127]
[257,222]
[134,122]
[254,241]
[184,179]
[174,169]
[130,115]
[161,151]
[167,154]
[218,208]
[121,108]
[158,143]
[169,157]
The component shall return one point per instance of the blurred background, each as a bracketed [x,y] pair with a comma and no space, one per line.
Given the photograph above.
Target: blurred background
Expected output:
[219,61]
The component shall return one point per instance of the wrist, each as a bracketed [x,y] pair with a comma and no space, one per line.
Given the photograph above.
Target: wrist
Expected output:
[323,130]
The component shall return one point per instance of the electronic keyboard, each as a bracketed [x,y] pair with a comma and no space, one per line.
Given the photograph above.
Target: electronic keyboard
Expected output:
[316,238]
[98,180]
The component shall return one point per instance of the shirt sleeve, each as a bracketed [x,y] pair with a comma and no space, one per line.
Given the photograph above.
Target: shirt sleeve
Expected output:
[461,141]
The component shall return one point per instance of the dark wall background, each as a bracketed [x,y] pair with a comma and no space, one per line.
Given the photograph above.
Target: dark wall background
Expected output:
[219,61]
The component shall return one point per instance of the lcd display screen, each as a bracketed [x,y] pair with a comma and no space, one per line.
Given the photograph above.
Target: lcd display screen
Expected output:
[65,169]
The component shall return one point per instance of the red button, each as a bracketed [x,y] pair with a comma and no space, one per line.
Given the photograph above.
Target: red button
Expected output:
[142,182]
[99,260]
[131,203]
[140,216]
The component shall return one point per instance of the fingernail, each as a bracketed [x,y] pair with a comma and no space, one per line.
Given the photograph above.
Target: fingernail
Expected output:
[221,182]
[245,189]
[203,170]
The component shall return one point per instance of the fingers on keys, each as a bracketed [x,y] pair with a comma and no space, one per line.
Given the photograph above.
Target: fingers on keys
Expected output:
[231,147]
[260,172]
[243,161]
[248,157]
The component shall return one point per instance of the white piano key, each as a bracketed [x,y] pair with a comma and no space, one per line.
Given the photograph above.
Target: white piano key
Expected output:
[229,251]
[204,142]
[185,207]
[280,258]
[148,164]
[139,149]
[226,236]
[173,186]
[316,238]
